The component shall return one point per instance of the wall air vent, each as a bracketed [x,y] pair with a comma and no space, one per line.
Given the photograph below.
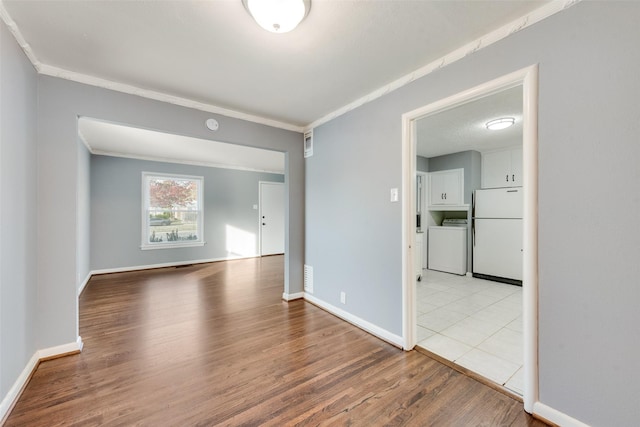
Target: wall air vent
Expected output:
[308,278]
[308,144]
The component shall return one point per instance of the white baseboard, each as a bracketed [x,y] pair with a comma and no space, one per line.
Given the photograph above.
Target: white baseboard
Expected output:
[555,416]
[167,264]
[84,283]
[291,297]
[59,350]
[14,392]
[369,327]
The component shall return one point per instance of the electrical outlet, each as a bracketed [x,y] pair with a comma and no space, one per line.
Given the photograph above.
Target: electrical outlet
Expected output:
[343,297]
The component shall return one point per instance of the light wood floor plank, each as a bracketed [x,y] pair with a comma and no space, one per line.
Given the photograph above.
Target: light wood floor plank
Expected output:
[214,344]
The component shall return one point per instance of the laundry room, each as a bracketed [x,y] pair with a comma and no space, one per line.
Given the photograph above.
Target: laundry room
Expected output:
[469,227]
[468,173]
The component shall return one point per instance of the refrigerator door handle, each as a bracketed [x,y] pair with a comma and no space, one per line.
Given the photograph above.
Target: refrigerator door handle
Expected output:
[473,219]
[473,207]
[473,231]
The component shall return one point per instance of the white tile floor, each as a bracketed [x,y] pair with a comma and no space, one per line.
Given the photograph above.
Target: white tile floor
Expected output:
[474,323]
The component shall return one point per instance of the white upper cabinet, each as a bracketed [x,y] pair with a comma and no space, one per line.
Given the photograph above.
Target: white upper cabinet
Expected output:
[516,167]
[502,168]
[446,187]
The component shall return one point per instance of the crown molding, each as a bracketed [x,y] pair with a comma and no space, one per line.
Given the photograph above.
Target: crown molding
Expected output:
[183,162]
[163,97]
[525,21]
[13,29]
[49,70]
[521,23]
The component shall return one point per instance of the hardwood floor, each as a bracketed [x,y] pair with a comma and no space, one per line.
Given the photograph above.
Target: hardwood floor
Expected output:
[213,344]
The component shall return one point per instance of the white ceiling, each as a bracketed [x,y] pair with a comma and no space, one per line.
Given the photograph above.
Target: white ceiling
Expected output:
[464,127]
[213,53]
[124,141]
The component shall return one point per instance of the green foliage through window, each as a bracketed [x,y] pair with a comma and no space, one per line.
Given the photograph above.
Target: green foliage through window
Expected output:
[173,209]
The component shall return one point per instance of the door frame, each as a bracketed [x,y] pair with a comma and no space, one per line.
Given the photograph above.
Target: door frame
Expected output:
[260,183]
[528,79]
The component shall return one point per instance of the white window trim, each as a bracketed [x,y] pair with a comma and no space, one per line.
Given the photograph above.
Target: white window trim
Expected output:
[145,245]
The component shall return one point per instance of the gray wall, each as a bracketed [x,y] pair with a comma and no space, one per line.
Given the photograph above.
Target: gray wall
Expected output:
[588,127]
[229,196]
[18,207]
[61,102]
[83,234]
[422,164]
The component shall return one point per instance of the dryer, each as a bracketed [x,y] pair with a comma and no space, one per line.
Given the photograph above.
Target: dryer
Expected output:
[447,247]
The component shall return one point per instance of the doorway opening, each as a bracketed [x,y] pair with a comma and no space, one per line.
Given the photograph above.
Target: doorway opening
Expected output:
[525,79]
[150,234]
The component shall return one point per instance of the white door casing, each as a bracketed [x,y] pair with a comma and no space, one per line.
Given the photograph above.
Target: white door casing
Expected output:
[528,79]
[271,217]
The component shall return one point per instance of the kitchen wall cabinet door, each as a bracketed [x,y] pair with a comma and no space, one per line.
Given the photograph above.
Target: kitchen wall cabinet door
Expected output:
[502,168]
[446,187]
[516,167]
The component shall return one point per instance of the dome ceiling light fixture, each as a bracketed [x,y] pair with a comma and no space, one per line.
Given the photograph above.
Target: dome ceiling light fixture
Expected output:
[501,123]
[278,16]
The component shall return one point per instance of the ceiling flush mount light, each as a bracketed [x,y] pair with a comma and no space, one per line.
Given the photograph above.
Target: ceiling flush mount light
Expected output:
[278,16]
[501,123]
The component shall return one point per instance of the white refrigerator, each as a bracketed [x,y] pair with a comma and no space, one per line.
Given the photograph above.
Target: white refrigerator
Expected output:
[497,234]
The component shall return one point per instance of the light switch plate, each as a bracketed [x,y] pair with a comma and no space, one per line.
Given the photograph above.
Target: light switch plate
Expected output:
[394,194]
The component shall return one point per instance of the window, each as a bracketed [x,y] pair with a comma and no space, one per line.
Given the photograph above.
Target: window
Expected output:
[171,211]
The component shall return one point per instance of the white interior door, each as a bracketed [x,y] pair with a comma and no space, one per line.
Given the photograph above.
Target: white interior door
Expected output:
[271,218]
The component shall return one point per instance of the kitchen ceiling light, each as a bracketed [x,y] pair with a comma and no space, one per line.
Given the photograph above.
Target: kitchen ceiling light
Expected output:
[278,16]
[501,123]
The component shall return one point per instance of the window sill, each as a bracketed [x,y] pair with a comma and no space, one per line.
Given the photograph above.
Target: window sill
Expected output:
[171,245]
